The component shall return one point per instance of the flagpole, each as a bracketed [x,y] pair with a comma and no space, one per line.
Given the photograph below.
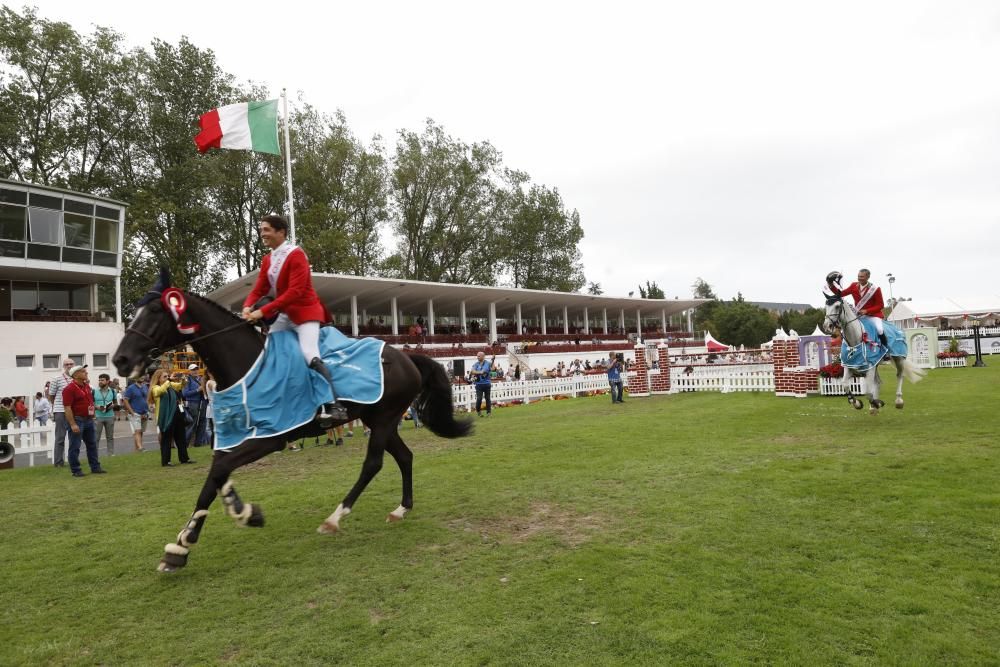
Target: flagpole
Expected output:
[288,170]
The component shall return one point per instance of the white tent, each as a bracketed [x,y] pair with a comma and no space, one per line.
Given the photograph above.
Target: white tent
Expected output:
[958,312]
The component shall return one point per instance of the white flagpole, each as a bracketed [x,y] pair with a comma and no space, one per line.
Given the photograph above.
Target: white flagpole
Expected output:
[288,170]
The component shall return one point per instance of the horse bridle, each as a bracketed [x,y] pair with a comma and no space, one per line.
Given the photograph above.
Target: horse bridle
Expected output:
[150,356]
[838,323]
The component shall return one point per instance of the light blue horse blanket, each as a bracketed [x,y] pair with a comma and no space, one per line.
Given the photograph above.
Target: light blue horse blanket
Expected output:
[280,392]
[870,351]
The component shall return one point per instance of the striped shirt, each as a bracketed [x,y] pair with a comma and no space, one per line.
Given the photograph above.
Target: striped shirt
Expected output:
[55,392]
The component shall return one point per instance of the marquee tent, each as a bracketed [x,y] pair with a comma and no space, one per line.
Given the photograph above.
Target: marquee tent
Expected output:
[958,311]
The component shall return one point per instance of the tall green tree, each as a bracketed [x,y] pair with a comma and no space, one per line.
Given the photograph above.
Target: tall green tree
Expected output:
[171,221]
[37,100]
[540,238]
[445,203]
[342,195]
[651,291]
[738,323]
[594,288]
[804,323]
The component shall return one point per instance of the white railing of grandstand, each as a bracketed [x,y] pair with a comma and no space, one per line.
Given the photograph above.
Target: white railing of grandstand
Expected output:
[464,395]
[723,378]
[945,334]
[30,440]
[951,362]
[835,387]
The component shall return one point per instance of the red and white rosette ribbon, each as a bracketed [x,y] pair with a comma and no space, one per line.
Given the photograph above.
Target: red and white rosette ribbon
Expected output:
[175,303]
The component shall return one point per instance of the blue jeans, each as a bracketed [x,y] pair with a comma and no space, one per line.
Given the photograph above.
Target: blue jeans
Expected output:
[88,435]
[617,387]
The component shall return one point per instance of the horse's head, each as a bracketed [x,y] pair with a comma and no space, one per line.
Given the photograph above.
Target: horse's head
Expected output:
[834,313]
[159,324]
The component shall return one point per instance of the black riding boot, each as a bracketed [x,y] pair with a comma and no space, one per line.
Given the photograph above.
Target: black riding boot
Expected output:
[883,340]
[334,411]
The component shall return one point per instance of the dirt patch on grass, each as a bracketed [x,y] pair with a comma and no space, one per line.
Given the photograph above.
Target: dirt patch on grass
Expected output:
[567,526]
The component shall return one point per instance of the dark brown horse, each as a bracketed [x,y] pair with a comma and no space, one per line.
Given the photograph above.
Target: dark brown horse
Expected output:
[169,318]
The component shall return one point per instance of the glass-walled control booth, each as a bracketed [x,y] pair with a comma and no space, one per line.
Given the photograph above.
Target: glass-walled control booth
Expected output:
[59,250]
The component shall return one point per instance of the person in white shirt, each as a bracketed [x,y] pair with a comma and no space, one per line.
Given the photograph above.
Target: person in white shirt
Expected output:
[43,409]
[56,387]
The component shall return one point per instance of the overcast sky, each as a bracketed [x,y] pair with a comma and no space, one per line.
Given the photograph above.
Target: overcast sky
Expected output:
[757,145]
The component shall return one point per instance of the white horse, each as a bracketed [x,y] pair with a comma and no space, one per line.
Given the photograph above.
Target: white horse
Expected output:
[841,315]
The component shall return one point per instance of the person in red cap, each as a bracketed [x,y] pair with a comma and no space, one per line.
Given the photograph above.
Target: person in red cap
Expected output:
[286,277]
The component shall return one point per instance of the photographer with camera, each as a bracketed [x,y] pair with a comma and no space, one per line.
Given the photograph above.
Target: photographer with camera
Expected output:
[481,374]
[616,366]
[105,404]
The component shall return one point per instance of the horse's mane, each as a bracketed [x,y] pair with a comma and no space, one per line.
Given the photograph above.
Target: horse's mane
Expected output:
[219,307]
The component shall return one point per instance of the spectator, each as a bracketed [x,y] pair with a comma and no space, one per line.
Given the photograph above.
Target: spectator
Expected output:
[615,368]
[196,432]
[43,409]
[78,402]
[517,373]
[105,400]
[56,387]
[42,310]
[164,393]
[21,412]
[210,387]
[481,373]
[137,410]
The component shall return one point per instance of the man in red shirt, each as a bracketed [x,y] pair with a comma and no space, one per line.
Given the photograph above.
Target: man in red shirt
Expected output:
[867,299]
[78,402]
[286,277]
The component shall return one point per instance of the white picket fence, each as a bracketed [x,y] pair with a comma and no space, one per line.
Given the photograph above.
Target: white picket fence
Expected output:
[724,378]
[834,386]
[464,395]
[951,362]
[31,440]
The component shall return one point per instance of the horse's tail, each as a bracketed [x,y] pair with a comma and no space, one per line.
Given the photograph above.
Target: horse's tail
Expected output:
[434,404]
[912,372]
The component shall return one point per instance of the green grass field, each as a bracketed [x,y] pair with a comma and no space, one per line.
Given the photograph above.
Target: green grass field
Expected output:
[690,529]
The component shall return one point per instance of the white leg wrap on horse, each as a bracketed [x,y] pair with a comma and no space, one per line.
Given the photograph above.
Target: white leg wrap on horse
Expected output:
[240,517]
[398,513]
[176,549]
[192,524]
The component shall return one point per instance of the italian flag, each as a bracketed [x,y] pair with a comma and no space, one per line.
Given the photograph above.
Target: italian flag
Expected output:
[251,126]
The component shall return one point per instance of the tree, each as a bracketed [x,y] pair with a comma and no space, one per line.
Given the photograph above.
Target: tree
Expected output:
[541,238]
[804,323]
[37,99]
[594,288]
[171,221]
[740,323]
[341,193]
[651,291]
[445,202]
[702,290]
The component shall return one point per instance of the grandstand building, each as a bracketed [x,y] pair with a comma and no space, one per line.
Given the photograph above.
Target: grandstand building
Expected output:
[60,287]
[453,322]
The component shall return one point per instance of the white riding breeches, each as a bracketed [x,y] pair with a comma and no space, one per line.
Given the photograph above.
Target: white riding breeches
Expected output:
[307,333]
[877,321]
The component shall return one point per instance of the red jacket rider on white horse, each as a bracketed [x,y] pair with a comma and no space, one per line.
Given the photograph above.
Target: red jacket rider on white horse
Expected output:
[867,298]
[286,277]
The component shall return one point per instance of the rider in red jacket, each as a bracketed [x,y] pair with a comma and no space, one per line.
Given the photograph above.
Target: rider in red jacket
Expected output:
[285,275]
[867,298]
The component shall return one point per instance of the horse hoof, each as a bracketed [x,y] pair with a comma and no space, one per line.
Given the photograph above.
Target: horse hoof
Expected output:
[327,528]
[899,405]
[858,405]
[873,411]
[165,567]
[392,518]
[256,519]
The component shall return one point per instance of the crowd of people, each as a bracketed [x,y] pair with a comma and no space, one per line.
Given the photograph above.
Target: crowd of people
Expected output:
[179,404]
